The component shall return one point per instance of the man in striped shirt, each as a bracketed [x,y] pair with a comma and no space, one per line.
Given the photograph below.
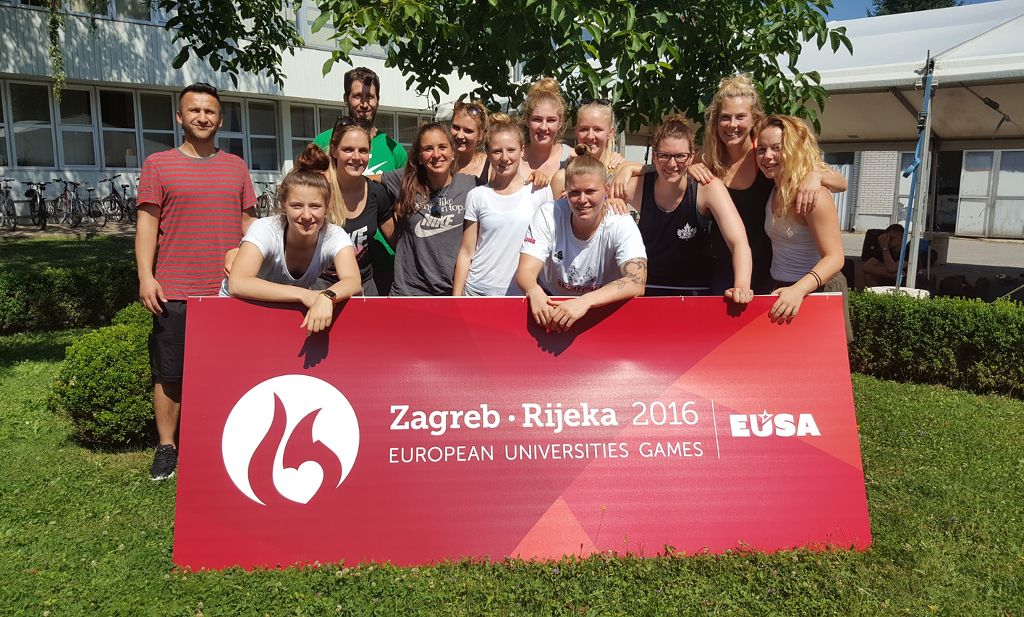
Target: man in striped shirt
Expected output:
[194,204]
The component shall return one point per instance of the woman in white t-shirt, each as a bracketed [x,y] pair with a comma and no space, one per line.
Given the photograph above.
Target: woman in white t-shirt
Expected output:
[497,217]
[281,257]
[578,247]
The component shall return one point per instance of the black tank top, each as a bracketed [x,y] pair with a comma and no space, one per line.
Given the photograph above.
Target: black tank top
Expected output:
[750,203]
[675,242]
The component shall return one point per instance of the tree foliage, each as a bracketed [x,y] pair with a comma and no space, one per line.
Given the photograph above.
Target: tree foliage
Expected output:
[891,7]
[650,57]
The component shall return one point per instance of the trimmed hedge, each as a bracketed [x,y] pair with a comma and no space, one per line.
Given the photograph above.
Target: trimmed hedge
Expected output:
[963,344]
[64,296]
[104,383]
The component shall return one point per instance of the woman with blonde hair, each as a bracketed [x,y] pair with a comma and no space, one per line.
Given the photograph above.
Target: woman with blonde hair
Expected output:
[728,154]
[543,121]
[469,129]
[807,251]
[595,130]
[359,205]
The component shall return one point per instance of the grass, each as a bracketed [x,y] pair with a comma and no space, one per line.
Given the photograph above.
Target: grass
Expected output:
[85,533]
[37,253]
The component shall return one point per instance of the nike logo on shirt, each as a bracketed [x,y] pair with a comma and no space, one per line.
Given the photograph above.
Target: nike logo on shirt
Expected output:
[375,169]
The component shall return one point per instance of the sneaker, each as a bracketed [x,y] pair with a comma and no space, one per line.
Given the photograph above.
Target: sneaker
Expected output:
[165,460]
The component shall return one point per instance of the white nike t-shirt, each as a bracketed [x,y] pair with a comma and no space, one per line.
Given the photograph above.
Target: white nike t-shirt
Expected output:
[502,221]
[573,267]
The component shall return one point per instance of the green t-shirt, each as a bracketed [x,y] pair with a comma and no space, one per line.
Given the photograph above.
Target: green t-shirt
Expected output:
[386,154]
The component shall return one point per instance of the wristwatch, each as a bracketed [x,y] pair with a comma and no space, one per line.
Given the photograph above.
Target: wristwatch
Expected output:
[330,294]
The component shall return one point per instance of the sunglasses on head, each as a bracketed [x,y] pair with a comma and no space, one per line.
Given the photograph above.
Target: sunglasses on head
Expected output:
[344,121]
[470,109]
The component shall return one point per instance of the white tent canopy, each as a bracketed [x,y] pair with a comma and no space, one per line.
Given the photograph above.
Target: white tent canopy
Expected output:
[876,93]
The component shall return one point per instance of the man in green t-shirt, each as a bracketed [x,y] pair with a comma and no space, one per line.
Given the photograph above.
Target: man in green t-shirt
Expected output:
[362,89]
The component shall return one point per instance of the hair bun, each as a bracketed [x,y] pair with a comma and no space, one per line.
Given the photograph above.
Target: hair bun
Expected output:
[581,150]
[675,119]
[547,85]
[500,116]
[312,159]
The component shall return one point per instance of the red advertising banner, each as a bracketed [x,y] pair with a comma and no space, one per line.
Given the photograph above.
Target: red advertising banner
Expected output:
[424,429]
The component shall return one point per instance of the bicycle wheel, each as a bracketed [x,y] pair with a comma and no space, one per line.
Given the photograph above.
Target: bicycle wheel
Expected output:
[95,213]
[41,208]
[130,211]
[34,210]
[75,213]
[10,216]
[111,207]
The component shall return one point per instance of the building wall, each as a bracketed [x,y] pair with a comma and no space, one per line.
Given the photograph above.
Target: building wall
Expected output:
[875,188]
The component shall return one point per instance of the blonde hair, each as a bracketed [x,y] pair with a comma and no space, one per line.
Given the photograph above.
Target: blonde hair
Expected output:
[606,109]
[476,111]
[546,90]
[502,123]
[800,155]
[585,164]
[713,153]
[336,205]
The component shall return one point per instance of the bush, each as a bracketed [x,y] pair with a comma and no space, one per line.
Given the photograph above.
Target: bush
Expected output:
[65,296]
[964,344]
[104,383]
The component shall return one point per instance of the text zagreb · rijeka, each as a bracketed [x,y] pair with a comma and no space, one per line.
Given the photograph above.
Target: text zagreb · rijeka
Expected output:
[534,415]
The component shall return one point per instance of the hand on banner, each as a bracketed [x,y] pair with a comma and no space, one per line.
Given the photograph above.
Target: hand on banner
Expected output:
[152,295]
[739,295]
[320,313]
[229,258]
[788,304]
[540,307]
[566,313]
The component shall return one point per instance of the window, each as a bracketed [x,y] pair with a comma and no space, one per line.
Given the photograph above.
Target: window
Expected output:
[77,128]
[4,161]
[328,116]
[157,122]
[263,136]
[117,113]
[230,136]
[408,126]
[32,129]
[303,128]
[89,7]
[385,123]
[139,10]
[322,38]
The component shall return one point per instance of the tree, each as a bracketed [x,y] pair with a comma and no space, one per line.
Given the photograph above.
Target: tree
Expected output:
[650,57]
[891,7]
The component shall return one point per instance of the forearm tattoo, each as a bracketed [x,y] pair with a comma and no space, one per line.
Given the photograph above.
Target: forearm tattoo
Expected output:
[633,271]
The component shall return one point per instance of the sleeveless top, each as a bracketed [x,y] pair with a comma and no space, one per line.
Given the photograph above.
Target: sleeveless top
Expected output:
[749,203]
[794,251]
[674,240]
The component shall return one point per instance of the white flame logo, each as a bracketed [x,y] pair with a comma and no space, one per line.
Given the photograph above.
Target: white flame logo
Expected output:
[271,412]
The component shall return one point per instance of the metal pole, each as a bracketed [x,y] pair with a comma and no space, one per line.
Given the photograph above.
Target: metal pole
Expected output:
[921,154]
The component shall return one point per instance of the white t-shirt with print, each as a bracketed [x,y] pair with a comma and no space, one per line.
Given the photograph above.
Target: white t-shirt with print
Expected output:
[267,235]
[502,221]
[573,267]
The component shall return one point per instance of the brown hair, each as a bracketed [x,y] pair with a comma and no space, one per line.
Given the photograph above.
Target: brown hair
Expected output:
[502,123]
[415,184]
[307,171]
[713,152]
[336,209]
[800,155]
[674,126]
[546,90]
[361,75]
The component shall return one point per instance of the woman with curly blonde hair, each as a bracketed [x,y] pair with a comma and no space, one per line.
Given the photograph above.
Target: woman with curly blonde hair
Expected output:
[728,154]
[807,251]
[543,121]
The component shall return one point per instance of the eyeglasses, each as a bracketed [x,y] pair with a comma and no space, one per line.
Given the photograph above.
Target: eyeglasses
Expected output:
[344,121]
[679,157]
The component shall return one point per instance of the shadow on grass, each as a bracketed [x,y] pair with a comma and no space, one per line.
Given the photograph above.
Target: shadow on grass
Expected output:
[37,254]
[36,346]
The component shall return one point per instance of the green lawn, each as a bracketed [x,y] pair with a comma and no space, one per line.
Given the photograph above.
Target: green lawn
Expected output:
[84,533]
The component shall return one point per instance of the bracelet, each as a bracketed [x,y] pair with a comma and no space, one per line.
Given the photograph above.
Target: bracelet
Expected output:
[816,277]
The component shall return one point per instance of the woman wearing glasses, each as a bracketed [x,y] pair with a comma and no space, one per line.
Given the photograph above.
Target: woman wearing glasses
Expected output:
[360,206]
[675,213]
[469,129]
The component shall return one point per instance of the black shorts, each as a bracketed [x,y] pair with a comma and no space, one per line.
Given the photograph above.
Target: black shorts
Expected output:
[167,343]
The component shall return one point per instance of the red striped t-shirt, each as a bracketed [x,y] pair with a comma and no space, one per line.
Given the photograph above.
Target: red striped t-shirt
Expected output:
[201,203]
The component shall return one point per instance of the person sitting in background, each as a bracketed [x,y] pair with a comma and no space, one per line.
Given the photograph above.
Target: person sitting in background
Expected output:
[882,262]
[282,257]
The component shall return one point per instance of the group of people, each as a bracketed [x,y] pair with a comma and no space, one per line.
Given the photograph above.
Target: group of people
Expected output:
[486,206]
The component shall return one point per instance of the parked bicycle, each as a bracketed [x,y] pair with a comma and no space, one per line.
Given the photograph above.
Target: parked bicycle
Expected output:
[8,215]
[82,209]
[117,205]
[267,200]
[59,208]
[37,205]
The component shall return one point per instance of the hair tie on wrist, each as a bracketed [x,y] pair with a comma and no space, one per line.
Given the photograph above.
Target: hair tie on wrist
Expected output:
[816,277]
